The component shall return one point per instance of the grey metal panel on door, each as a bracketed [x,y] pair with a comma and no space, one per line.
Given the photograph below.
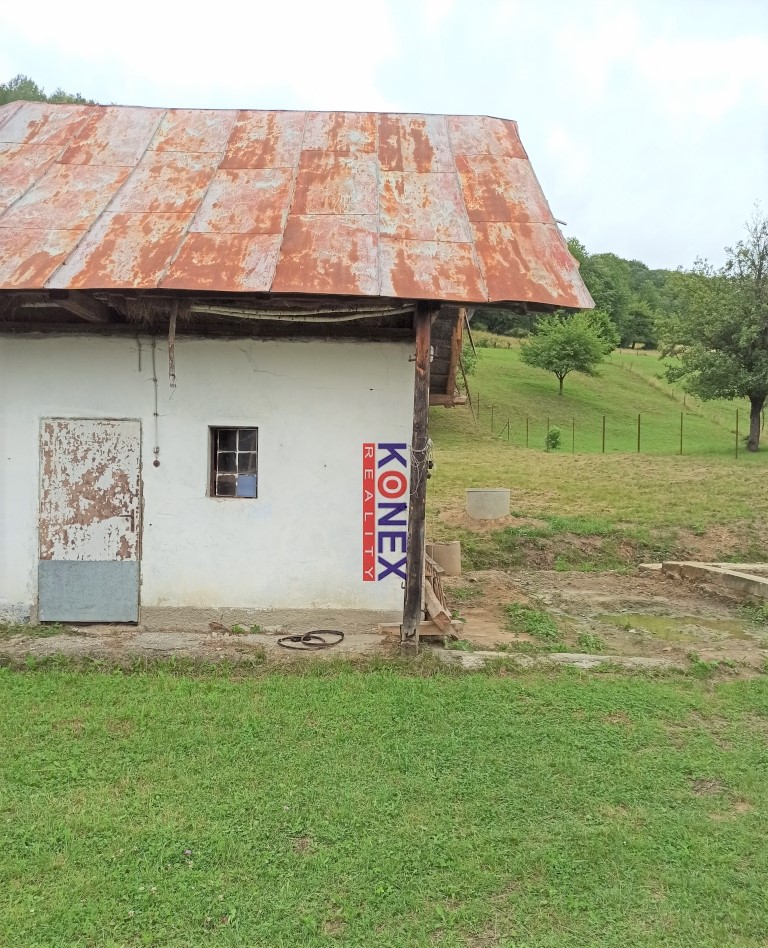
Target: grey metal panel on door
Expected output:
[88,591]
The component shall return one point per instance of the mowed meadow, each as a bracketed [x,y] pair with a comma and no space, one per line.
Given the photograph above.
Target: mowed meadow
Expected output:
[705,503]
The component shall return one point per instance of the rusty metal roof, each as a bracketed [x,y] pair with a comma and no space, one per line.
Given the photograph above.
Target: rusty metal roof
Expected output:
[338,203]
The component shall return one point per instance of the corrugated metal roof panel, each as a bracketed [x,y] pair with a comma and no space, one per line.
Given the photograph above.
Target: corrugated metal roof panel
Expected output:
[167,183]
[246,201]
[68,197]
[329,254]
[123,251]
[113,136]
[334,203]
[430,270]
[265,140]
[29,256]
[532,261]
[20,167]
[216,262]
[414,143]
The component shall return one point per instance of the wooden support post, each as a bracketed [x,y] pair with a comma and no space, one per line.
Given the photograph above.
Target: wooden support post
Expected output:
[456,346]
[414,565]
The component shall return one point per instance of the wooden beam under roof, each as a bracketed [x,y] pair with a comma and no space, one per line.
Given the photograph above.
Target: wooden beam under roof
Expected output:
[81,305]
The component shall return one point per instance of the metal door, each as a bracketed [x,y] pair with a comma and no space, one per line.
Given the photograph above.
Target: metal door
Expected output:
[90,506]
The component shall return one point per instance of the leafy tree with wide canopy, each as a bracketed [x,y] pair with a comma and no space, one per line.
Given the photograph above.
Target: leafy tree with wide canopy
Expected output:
[564,344]
[718,329]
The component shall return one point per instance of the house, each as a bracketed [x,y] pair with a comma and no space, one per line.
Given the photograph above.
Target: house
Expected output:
[216,330]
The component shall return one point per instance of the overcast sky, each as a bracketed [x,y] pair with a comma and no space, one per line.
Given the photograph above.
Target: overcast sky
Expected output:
[646,120]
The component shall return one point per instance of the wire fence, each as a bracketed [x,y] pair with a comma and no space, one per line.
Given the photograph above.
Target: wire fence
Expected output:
[687,431]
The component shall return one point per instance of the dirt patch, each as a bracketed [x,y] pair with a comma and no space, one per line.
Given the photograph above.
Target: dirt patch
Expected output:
[458,517]
[638,614]
[302,844]
[746,540]
[707,786]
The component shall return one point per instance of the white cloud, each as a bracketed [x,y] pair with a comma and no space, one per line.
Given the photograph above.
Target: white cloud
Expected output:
[436,12]
[706,78]
[572,154]
[596,39]
[325,54]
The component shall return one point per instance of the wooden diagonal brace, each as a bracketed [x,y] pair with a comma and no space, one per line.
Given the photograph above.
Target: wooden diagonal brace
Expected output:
[82,305]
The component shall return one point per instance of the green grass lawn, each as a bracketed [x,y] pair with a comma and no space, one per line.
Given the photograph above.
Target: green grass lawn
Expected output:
[642,505]
[380,807]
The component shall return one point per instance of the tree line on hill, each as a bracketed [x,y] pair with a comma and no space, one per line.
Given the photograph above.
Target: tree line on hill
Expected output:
[23,88]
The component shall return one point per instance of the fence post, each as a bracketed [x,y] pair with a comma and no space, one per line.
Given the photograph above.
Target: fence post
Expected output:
[526,431]
[573,435]
[737,432]
[546,440]
[638,434]
[603,434]
[681,433]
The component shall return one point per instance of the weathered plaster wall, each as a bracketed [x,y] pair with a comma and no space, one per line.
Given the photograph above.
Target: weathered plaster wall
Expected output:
[298,546]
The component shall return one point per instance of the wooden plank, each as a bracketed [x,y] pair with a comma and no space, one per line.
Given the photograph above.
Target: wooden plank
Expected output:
[83,306]
[436,612]
[414,566]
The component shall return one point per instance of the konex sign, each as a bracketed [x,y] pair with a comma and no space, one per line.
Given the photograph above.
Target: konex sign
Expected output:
[385,511]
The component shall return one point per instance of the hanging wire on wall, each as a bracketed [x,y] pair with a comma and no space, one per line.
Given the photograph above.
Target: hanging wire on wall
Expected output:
[156,449]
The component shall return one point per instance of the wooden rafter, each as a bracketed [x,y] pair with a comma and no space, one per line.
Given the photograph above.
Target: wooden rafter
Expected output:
[82,305]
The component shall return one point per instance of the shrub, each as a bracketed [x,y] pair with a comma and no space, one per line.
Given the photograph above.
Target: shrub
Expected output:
[553,439]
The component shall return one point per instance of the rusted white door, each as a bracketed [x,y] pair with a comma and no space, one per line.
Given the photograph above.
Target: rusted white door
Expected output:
[90,505]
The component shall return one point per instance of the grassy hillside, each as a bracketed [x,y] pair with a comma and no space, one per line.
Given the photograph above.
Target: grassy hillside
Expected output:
[627,385]
[592,510]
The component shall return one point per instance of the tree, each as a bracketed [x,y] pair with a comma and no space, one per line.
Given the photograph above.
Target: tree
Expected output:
[22,87]
[565,344]
[718,327]
[502,321]
[627,290]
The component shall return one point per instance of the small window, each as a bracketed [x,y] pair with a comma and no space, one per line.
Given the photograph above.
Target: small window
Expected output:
[234,462]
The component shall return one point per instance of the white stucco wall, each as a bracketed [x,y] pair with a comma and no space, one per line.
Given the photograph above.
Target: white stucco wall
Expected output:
[299,544]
